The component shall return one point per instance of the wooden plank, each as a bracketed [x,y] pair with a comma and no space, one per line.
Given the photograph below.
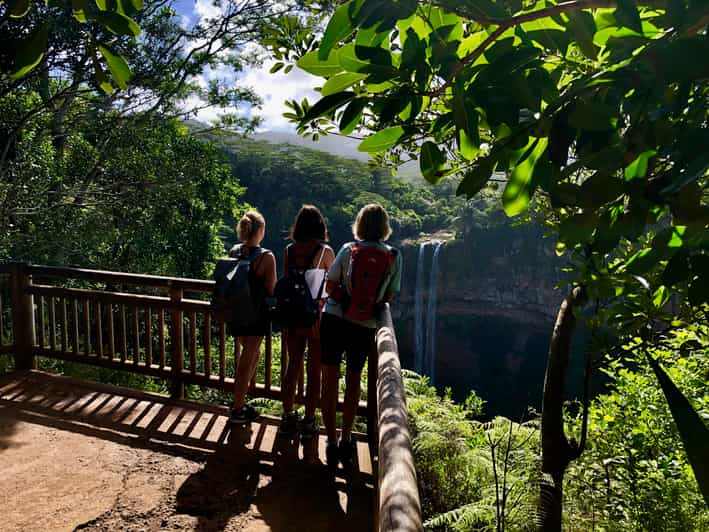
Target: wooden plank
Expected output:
[301,379]
[75,326]
[268,358]
[157,281]
[207,344]
[111,333]
[2,322]
[184,305]
[193,342]
[52,324]
[123,332]
[87,328]
[161,337]
[148,336]
[99,329]
[40,312]
[65,332]
[177,347]
[222,351]
[136,335]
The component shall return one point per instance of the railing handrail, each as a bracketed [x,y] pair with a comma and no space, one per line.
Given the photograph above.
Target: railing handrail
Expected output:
[152,281]
[399,504]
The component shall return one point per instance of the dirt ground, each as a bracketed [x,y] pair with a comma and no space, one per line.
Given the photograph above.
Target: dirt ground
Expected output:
[76,456]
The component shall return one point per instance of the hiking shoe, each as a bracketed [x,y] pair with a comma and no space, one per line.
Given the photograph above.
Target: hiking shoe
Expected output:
[332,455]
[245,414]
[309,427]
[346,451]
[289,423]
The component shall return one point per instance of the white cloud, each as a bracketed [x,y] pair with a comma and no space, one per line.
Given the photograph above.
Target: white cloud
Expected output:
[275,89]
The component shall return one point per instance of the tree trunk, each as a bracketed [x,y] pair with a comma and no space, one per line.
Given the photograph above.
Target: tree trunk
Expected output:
[557,451]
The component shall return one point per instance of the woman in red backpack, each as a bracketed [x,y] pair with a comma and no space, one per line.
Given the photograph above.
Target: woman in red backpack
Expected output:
[366,273]
[251,230]
[308,254]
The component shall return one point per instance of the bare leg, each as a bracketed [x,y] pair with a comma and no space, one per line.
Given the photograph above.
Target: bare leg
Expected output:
[312,394]
[248,362]
[349,410]
[331,377]
[296,351]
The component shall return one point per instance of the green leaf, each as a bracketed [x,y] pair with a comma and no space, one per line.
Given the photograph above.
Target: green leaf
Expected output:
[276,67]
[627,15]
[312,64]
[432,161]
[79,8]
[592,116]
[117,65]
[117,23]
[102,4]
[517,193]
[677,269]
[581,28]
[660,297]
[338,28]
[466,117]
[340,82]
[474,180]
[18,8]
[578,228]
[326,105]
[347,59]
[638,168]
[352,115]
[467,147]
[101,78]
[137,4]
[692,430]
[30,52]
[381,140]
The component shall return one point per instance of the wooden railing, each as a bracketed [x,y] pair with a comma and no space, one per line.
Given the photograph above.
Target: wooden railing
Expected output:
[399,504]
[147,324]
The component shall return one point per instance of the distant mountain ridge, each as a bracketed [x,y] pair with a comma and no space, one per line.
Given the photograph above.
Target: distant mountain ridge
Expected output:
[336,145]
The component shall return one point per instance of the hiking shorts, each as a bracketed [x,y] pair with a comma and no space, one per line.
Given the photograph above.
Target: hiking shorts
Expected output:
[339,337]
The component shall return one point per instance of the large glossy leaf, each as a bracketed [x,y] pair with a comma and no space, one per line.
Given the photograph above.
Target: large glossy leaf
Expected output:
[18,8]
[475,179]
[326,105]
[347,59]
[581,28]
[592,116]
[117,23]
[338,28]
[352,115]
[431,161]
[638,168]
[312,64]
[692,430]
[117,65]
[78,9]
[30,52]
[381,140]
[517,193]
[627,15]
[340,82]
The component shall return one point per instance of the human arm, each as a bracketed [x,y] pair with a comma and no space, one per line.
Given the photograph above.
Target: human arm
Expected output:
[268,268]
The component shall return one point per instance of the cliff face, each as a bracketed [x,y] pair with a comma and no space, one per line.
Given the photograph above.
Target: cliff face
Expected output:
[495,314]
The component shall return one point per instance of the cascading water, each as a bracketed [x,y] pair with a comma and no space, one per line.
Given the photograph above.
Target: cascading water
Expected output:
[430,354]
[419,345]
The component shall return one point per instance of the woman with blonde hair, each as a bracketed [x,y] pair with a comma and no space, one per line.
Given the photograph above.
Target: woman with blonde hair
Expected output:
[309,255]
[251,231]
[366,273]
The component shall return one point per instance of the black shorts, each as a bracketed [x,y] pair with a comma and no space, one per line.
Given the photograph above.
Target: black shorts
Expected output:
[339,336]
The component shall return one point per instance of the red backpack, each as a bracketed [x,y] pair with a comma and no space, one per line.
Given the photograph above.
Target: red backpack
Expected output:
[369,266]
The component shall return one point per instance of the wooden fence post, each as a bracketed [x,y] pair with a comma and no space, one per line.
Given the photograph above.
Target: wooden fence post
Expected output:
[177,344]
[22,317]
[372,365]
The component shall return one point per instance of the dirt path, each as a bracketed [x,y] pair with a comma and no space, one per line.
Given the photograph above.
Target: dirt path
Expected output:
[87,458]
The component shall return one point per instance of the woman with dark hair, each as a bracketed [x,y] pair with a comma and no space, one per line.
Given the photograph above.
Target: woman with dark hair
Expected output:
[309,254]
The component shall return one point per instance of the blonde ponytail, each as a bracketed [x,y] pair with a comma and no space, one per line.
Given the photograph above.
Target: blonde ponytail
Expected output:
[249,224]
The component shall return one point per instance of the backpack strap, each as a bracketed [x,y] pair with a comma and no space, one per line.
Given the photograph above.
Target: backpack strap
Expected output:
[315,254]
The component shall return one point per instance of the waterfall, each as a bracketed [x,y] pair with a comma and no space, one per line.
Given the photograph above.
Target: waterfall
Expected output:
[419,345]
[430,356]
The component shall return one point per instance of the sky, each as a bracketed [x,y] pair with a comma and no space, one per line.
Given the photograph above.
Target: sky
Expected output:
[273,89]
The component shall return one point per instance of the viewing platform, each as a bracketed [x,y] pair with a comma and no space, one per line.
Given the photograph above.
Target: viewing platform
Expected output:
[80,455]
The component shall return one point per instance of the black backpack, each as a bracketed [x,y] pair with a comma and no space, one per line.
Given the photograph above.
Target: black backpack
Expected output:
[233,300]
[295,305]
